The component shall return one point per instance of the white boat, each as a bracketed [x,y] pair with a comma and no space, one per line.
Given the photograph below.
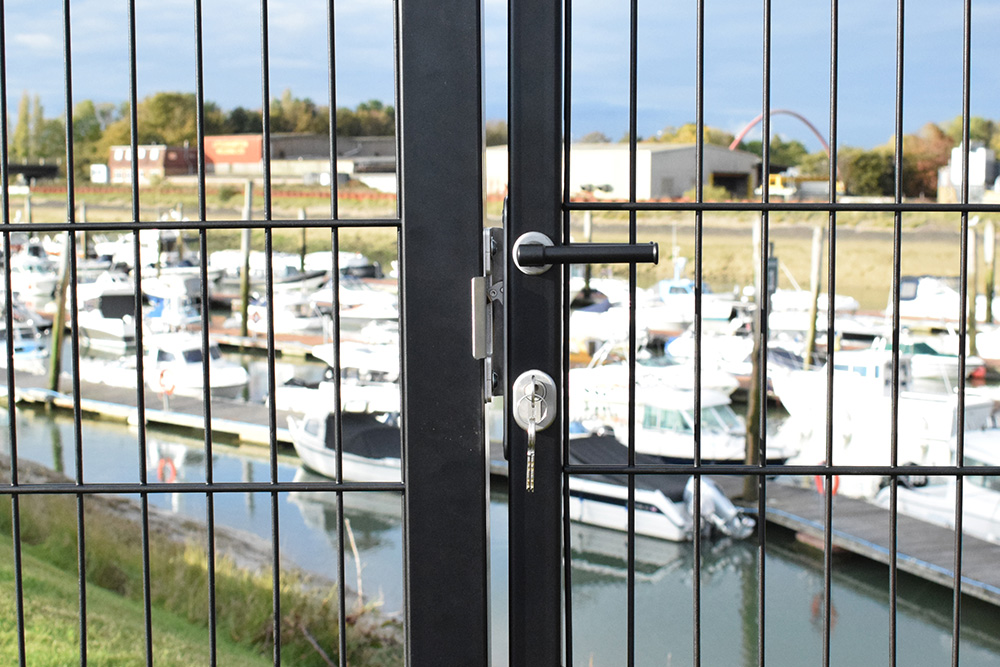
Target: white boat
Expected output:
[664,505]
[862,417]
[930,363]
[286,271]
[934,500]
[369,381]
[934,301]
[352,264]
[294,313]
[173,365]
[610,369]
[370,452]
[33,279]
[174,303]
[360,304]
[673,308]
[665,422]
[29,348]
[106,313]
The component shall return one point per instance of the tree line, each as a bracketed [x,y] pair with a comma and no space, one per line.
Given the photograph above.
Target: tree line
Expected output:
[171,119]
[863,171]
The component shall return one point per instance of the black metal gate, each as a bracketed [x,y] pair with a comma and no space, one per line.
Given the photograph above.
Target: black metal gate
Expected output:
[542,52]
[441,484]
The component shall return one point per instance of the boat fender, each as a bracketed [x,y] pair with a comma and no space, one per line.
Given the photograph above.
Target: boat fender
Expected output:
[166,471]
[166,383]
[818,479]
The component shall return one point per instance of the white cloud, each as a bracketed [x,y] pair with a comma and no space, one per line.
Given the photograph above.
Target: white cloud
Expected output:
[35,41]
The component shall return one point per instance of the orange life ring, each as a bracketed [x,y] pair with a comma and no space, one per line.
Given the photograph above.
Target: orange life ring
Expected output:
[167,465]
[166,383]
[818,479]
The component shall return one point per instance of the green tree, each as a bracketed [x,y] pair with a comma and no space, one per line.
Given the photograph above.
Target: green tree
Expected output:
[980,129]
[51,138]
[688,134]
[369,119]
[291,114]
[595,138]
[37,128]
[243,121]
[870,173]
[20,139]
[783,153]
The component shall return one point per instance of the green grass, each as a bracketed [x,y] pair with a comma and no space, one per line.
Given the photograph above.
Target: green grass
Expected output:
[115,624]
[179,595]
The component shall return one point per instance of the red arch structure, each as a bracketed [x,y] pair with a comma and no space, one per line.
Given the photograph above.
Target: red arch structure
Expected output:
[787,112]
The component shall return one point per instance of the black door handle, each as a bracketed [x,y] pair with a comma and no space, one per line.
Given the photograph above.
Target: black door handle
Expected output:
[534,253]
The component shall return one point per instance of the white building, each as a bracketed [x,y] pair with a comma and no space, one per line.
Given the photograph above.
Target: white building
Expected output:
[663,171]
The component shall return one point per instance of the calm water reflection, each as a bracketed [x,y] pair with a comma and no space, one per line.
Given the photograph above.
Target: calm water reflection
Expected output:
[664,618]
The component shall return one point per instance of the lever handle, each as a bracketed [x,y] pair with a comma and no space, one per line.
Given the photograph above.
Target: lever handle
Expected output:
[588,253]
[534,253]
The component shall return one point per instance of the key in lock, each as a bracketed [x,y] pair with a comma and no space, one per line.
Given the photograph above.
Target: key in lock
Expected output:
[534,410]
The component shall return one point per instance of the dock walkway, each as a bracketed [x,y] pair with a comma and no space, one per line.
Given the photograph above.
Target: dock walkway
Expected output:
[923,549]
[246,422]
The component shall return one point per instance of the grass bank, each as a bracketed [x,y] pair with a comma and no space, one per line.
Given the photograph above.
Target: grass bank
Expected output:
[179,578]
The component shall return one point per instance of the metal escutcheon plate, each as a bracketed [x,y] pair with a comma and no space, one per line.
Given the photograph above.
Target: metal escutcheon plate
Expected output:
[542,387]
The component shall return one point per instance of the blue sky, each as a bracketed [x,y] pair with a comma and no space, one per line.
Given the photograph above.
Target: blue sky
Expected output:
[666,71]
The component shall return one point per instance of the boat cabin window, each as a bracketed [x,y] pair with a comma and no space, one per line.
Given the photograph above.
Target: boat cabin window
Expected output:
[989,482]
[666,420]
[163,355]
[907,289]
[312,427]
[719,418]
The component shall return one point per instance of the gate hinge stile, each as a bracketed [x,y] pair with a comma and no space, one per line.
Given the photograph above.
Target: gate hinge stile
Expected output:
[487,313]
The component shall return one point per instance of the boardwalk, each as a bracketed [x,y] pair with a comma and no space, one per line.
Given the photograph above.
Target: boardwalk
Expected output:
[862,528]
[246,422]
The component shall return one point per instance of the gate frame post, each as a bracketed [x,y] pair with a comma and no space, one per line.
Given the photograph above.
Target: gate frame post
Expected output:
[446,499]
[534,330]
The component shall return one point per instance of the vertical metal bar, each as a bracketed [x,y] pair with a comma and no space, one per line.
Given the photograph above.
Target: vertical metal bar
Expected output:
[534,69]
[70,248]
[567,114]
[763,302]
[9,348]
[335,324]
[445,522]
[699,218]
[205,344]
[962,326]
[896,331]
[633,104]
[147,594]
[269,295]
[830,334]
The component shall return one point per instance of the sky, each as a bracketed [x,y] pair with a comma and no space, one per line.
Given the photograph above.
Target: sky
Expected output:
[666,71]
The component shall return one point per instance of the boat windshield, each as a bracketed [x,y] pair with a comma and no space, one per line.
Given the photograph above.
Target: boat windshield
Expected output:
[719,418]
[989,482]
[666,420]
[193,355]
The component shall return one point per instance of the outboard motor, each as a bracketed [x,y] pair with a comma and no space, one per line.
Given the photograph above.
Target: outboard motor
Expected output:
[717,511]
